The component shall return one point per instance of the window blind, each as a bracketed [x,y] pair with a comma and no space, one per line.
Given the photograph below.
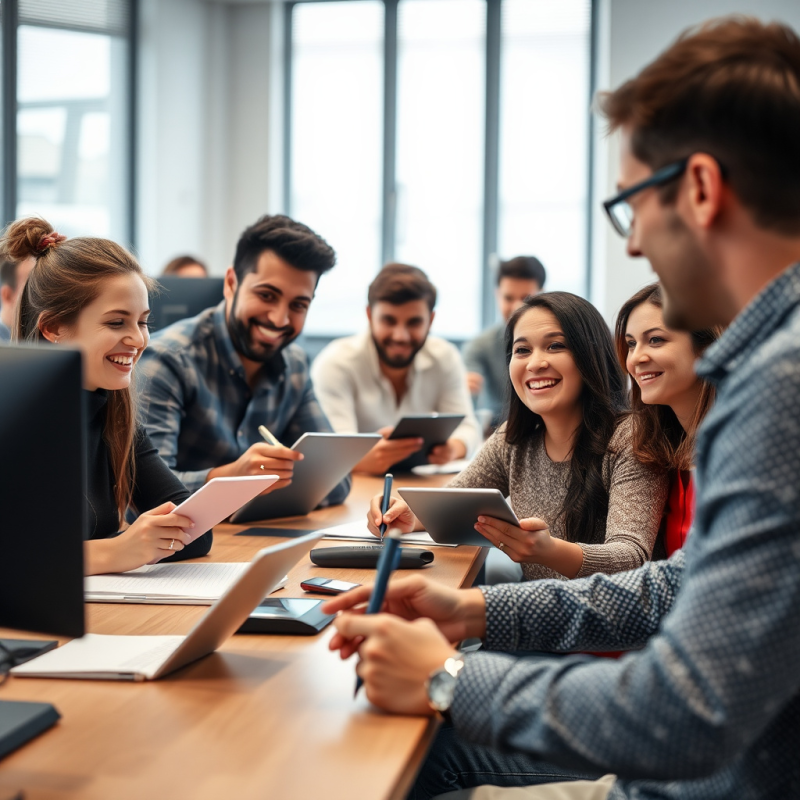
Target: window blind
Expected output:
[111,17]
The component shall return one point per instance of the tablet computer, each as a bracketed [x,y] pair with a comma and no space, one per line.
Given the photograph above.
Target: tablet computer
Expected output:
[433,428]
[328,458]
[449,515]
[219,498]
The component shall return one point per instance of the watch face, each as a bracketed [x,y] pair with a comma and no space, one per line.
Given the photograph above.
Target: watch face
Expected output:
[441,688]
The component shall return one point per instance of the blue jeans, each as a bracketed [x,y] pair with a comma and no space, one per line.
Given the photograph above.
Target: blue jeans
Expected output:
[455,764]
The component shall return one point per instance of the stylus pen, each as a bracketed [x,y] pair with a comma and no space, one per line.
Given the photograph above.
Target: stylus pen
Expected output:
[387,564]
[387,494]
[266,434]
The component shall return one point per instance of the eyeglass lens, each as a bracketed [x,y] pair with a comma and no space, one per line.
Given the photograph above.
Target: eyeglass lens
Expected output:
[622,215]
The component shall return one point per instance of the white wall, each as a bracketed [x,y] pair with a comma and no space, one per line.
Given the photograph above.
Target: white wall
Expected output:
[632,33]
[208,95]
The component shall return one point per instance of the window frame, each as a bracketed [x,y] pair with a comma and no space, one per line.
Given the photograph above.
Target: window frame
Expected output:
[491,167]
[9,107]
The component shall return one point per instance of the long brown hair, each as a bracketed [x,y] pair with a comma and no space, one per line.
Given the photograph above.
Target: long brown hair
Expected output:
[603,405]
[658,436]
[67,276]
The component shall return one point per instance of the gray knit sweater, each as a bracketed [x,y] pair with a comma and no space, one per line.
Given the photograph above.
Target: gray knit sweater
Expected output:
[537,487]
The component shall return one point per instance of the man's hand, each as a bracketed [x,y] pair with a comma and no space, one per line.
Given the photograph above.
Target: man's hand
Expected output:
[396,658]
[262,459]
[398,515]
[387,452]
[451,450]
[474,382]
[458,613]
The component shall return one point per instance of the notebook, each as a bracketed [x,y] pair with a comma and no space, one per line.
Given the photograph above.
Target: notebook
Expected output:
[357,532]
[170,584]
[141,658]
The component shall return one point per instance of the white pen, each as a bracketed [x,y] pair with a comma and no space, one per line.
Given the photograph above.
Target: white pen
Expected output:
[266,434]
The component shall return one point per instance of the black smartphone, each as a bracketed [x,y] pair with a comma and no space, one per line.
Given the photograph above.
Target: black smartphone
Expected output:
[327,585]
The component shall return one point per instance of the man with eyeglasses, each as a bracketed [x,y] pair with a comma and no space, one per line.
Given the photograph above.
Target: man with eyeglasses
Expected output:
[707,706]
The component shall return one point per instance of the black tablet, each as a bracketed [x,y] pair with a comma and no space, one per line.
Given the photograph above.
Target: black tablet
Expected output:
[433,428]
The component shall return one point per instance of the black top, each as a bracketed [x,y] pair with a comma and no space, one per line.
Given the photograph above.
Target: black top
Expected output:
[155,483]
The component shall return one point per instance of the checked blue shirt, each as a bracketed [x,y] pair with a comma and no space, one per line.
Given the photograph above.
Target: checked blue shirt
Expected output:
[709,709]
[201,413]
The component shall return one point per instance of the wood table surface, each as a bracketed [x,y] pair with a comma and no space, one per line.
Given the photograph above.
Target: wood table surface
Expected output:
[263,717]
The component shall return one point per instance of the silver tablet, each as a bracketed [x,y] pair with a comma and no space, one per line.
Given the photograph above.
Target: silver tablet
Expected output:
[328,458]
[449,515]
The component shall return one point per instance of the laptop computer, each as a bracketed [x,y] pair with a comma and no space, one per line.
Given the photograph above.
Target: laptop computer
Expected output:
[329,457]
[147,658]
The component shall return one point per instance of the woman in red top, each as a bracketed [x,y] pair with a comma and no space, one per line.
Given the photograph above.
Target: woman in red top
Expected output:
[668,402]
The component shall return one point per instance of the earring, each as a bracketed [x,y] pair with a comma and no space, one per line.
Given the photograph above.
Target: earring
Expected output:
[55,341]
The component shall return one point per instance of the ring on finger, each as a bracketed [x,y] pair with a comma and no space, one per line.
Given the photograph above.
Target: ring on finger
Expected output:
[171,544]
[263,468]
[501,546]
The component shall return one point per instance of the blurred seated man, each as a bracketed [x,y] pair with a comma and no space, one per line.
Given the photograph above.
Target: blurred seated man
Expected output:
[186,267]
[485,355]
[210,381]
[13,275]
[368,382]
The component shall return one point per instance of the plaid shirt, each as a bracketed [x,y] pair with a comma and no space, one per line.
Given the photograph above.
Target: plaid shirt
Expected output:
[200,411]
[709,709]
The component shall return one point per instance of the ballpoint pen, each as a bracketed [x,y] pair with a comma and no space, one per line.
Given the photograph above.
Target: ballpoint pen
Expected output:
[267,436]
[387,564]
[387,494]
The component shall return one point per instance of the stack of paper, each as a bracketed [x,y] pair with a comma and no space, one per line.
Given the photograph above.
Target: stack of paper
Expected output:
[358,532]
[182,584]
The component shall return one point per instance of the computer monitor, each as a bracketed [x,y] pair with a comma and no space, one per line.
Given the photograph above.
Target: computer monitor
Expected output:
[42,489]
[180,298]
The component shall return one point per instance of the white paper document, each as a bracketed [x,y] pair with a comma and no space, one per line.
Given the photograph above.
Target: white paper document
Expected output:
[357,531]
[185,584]
[450,468]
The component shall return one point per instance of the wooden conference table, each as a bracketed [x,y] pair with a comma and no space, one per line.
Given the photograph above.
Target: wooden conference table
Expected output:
[264,717]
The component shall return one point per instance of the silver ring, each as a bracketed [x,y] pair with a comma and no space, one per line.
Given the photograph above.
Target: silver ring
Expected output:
[264,468]
[171,544]
[501,546]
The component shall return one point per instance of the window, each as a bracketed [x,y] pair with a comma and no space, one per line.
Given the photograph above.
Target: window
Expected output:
[544,102]
[336,124]
[405,145]
[73,150]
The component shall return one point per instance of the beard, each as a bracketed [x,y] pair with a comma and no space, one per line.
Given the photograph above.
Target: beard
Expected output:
[396,362]
[689,287]
[241,333]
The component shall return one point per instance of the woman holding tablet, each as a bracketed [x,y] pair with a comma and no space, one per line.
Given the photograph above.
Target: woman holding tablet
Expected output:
[585,503]
[92,294]
[668,401]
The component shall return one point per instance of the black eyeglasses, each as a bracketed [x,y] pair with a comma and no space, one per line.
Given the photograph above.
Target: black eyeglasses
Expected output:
[619,210]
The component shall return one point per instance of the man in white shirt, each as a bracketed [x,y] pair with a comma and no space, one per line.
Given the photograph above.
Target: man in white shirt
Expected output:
[368,382]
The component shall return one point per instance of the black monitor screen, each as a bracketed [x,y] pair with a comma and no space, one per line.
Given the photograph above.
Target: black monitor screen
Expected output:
[180,298]
[42,490]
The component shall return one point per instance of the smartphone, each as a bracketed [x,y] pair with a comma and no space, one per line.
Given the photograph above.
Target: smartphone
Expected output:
[327,585]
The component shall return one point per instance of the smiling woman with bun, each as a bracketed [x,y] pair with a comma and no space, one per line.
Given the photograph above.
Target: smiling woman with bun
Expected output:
[584,502]
[91,294]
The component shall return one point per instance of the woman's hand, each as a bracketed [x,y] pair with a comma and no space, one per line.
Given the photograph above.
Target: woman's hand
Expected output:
[396,658]
[155,535]
[532,543]
[458,613]
[398,515]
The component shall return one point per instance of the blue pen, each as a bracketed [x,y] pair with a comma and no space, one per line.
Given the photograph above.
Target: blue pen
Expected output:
[387,494]
[387,564]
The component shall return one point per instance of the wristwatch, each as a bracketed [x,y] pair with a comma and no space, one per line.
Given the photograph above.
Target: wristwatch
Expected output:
[441,685]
